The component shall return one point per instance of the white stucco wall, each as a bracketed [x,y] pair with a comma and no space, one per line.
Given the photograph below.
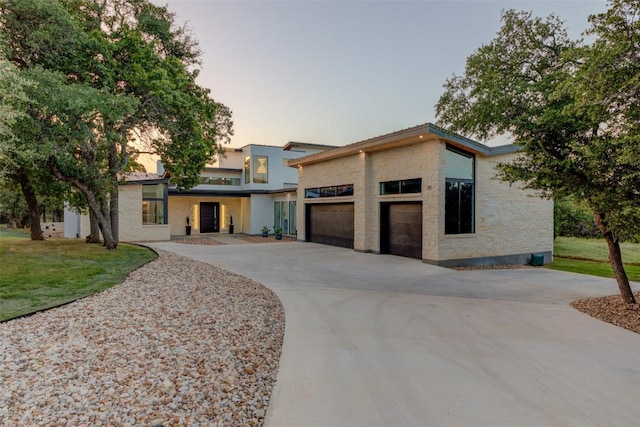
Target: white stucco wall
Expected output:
[261,213]
[278,173]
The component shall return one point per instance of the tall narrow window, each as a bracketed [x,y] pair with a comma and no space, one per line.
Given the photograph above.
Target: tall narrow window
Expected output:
[460,192]
[247,170]
[292,218]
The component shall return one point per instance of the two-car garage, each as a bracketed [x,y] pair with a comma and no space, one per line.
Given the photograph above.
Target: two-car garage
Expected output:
[400,226]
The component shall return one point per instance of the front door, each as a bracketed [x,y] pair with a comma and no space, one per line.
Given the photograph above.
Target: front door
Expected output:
[209,213]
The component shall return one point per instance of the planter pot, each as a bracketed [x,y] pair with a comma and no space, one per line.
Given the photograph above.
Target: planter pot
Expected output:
[265,234]
[188,230]
[278,236]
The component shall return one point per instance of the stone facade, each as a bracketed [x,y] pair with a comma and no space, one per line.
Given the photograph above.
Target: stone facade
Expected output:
[131,227]
[510,223]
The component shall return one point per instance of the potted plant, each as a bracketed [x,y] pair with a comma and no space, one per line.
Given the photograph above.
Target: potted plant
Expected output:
[265,231]
[188,229]
[278,233]
[231,225]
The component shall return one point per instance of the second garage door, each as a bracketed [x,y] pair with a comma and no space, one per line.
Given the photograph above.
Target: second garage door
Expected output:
[330,224]
[401,229]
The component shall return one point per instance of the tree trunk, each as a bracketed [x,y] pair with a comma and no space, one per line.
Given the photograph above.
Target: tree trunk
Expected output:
[113,213]
[615,259]
[32,205]
[94,204]
[113,190]
[94,229]
[103,220]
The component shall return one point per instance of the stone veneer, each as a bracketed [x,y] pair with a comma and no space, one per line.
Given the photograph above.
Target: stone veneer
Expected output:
[510,223]
[130,214]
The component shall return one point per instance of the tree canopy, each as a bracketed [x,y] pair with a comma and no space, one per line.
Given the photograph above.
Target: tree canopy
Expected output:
[573,107]
[107,74]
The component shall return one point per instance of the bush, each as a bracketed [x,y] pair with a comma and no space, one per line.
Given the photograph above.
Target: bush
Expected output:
[573,219]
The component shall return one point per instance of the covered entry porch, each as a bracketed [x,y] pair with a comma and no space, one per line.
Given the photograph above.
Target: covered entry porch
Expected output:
[203,214]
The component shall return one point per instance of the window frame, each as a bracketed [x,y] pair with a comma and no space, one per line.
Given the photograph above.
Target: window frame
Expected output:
[247,169]
[342,190]
[257,164]
[460,225]
[395,187]
[165,208]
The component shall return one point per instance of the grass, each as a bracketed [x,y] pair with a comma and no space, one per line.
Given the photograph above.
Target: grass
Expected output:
[40,274]
[591,256]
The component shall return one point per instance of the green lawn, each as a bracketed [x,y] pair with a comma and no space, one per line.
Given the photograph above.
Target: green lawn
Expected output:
[591,256]
[42,274]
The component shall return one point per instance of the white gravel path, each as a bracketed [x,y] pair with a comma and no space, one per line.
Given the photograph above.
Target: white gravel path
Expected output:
[178,343]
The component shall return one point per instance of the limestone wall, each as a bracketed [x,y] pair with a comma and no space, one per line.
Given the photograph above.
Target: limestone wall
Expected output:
[508,219]
[130,214]
[336,172]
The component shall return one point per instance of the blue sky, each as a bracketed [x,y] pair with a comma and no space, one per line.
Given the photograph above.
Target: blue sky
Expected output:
[340,72]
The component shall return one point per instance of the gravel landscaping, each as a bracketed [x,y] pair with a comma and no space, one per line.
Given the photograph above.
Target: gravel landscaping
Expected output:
[177,343]
[612,309]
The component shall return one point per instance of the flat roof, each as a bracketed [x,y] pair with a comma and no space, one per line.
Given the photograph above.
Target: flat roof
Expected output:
[142,178]
[420,133]
[293,144]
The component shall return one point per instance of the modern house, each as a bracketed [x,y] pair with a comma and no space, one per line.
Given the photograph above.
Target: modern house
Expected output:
[423,193]
[241,191]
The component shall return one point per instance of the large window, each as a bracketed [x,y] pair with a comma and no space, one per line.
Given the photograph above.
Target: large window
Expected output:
[460,192]
[332,191]
[401,187]
[247,170]
[219,180]
[284,216]
[260,169]
[154,204]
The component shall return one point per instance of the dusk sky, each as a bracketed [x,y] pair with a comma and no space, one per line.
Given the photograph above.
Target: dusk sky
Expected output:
[339,72]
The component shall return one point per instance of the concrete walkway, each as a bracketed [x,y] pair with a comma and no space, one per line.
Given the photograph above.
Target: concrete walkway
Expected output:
[377,340]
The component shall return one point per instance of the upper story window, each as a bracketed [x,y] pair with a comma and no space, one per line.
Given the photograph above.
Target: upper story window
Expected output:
[459,192]
[260,169]
[401,187]
[247,170]
[154,204]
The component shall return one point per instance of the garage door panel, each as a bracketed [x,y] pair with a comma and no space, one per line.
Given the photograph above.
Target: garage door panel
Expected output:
[331,224]
[405,230]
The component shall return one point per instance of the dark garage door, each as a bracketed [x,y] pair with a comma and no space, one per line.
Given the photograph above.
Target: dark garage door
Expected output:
[401,229]
[330,224]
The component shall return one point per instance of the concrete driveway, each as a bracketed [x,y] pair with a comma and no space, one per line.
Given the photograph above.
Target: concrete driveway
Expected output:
[375,340]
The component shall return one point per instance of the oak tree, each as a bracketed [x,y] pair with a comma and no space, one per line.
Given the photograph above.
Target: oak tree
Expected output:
[572,107]
[109,74]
